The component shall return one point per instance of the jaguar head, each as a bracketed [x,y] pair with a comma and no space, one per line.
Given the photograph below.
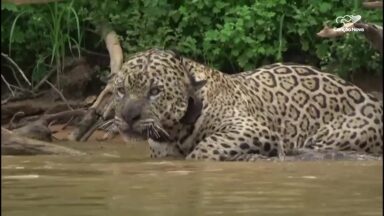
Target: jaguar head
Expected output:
[154,93]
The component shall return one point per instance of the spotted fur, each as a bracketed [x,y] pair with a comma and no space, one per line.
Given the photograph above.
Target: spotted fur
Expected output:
[274,109]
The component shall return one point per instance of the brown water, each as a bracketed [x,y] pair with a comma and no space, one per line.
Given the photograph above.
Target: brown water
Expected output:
[118,179]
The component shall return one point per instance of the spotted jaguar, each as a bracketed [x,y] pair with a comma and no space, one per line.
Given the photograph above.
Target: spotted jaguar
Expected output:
[189,110]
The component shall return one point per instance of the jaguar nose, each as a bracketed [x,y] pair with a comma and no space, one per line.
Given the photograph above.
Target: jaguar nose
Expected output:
[131,111]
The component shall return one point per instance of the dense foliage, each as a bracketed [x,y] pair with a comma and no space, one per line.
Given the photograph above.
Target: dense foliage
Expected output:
[232,35]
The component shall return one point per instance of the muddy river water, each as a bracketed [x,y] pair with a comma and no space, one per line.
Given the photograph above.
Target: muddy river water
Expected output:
[118,180]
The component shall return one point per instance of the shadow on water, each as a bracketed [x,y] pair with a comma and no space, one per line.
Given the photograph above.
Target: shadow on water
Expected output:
[119,179]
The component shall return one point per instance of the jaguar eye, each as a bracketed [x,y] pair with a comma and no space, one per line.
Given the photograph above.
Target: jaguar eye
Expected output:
[154,91]
[120,92]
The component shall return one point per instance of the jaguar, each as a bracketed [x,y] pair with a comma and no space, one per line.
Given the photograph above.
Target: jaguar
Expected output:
[189,110]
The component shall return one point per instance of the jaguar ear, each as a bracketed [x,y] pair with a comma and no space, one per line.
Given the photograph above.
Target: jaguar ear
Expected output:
[195,106]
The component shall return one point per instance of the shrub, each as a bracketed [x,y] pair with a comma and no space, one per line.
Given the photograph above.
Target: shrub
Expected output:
[232,35]
[40,37]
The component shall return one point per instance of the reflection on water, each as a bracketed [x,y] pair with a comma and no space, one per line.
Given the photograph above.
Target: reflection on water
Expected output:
[118,180]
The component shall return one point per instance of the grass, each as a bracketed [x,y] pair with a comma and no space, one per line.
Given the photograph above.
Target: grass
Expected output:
[12,31]
[59,23]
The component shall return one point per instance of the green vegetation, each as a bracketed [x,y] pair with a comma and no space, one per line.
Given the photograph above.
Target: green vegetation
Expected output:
[232,35]
[40,37]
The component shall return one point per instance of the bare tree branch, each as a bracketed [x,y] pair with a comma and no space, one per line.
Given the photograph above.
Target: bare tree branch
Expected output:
[17,67]
[114,48]
[60,94]
[329,32]
[14,74]
[7,84]
[101,107]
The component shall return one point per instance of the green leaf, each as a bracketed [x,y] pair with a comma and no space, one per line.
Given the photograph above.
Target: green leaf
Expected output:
[260,36]
[260,21]
[18,36]
[304,45]
[300,31]
[261,50]
[325,7]
[321,50]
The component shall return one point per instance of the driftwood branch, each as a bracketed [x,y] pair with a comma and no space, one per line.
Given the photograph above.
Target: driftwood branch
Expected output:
[116,59]
[60,94]
[14,144]
[114,48]
[106,91]
[102,106]
[89,119]
[11,124]
[39,129]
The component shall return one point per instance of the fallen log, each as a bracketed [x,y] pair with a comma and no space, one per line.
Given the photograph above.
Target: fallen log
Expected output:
[13,144]
[36,107]
[39,129]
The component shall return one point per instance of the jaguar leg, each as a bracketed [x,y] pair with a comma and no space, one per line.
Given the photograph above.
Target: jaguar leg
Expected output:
[348,133]
[236,146]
